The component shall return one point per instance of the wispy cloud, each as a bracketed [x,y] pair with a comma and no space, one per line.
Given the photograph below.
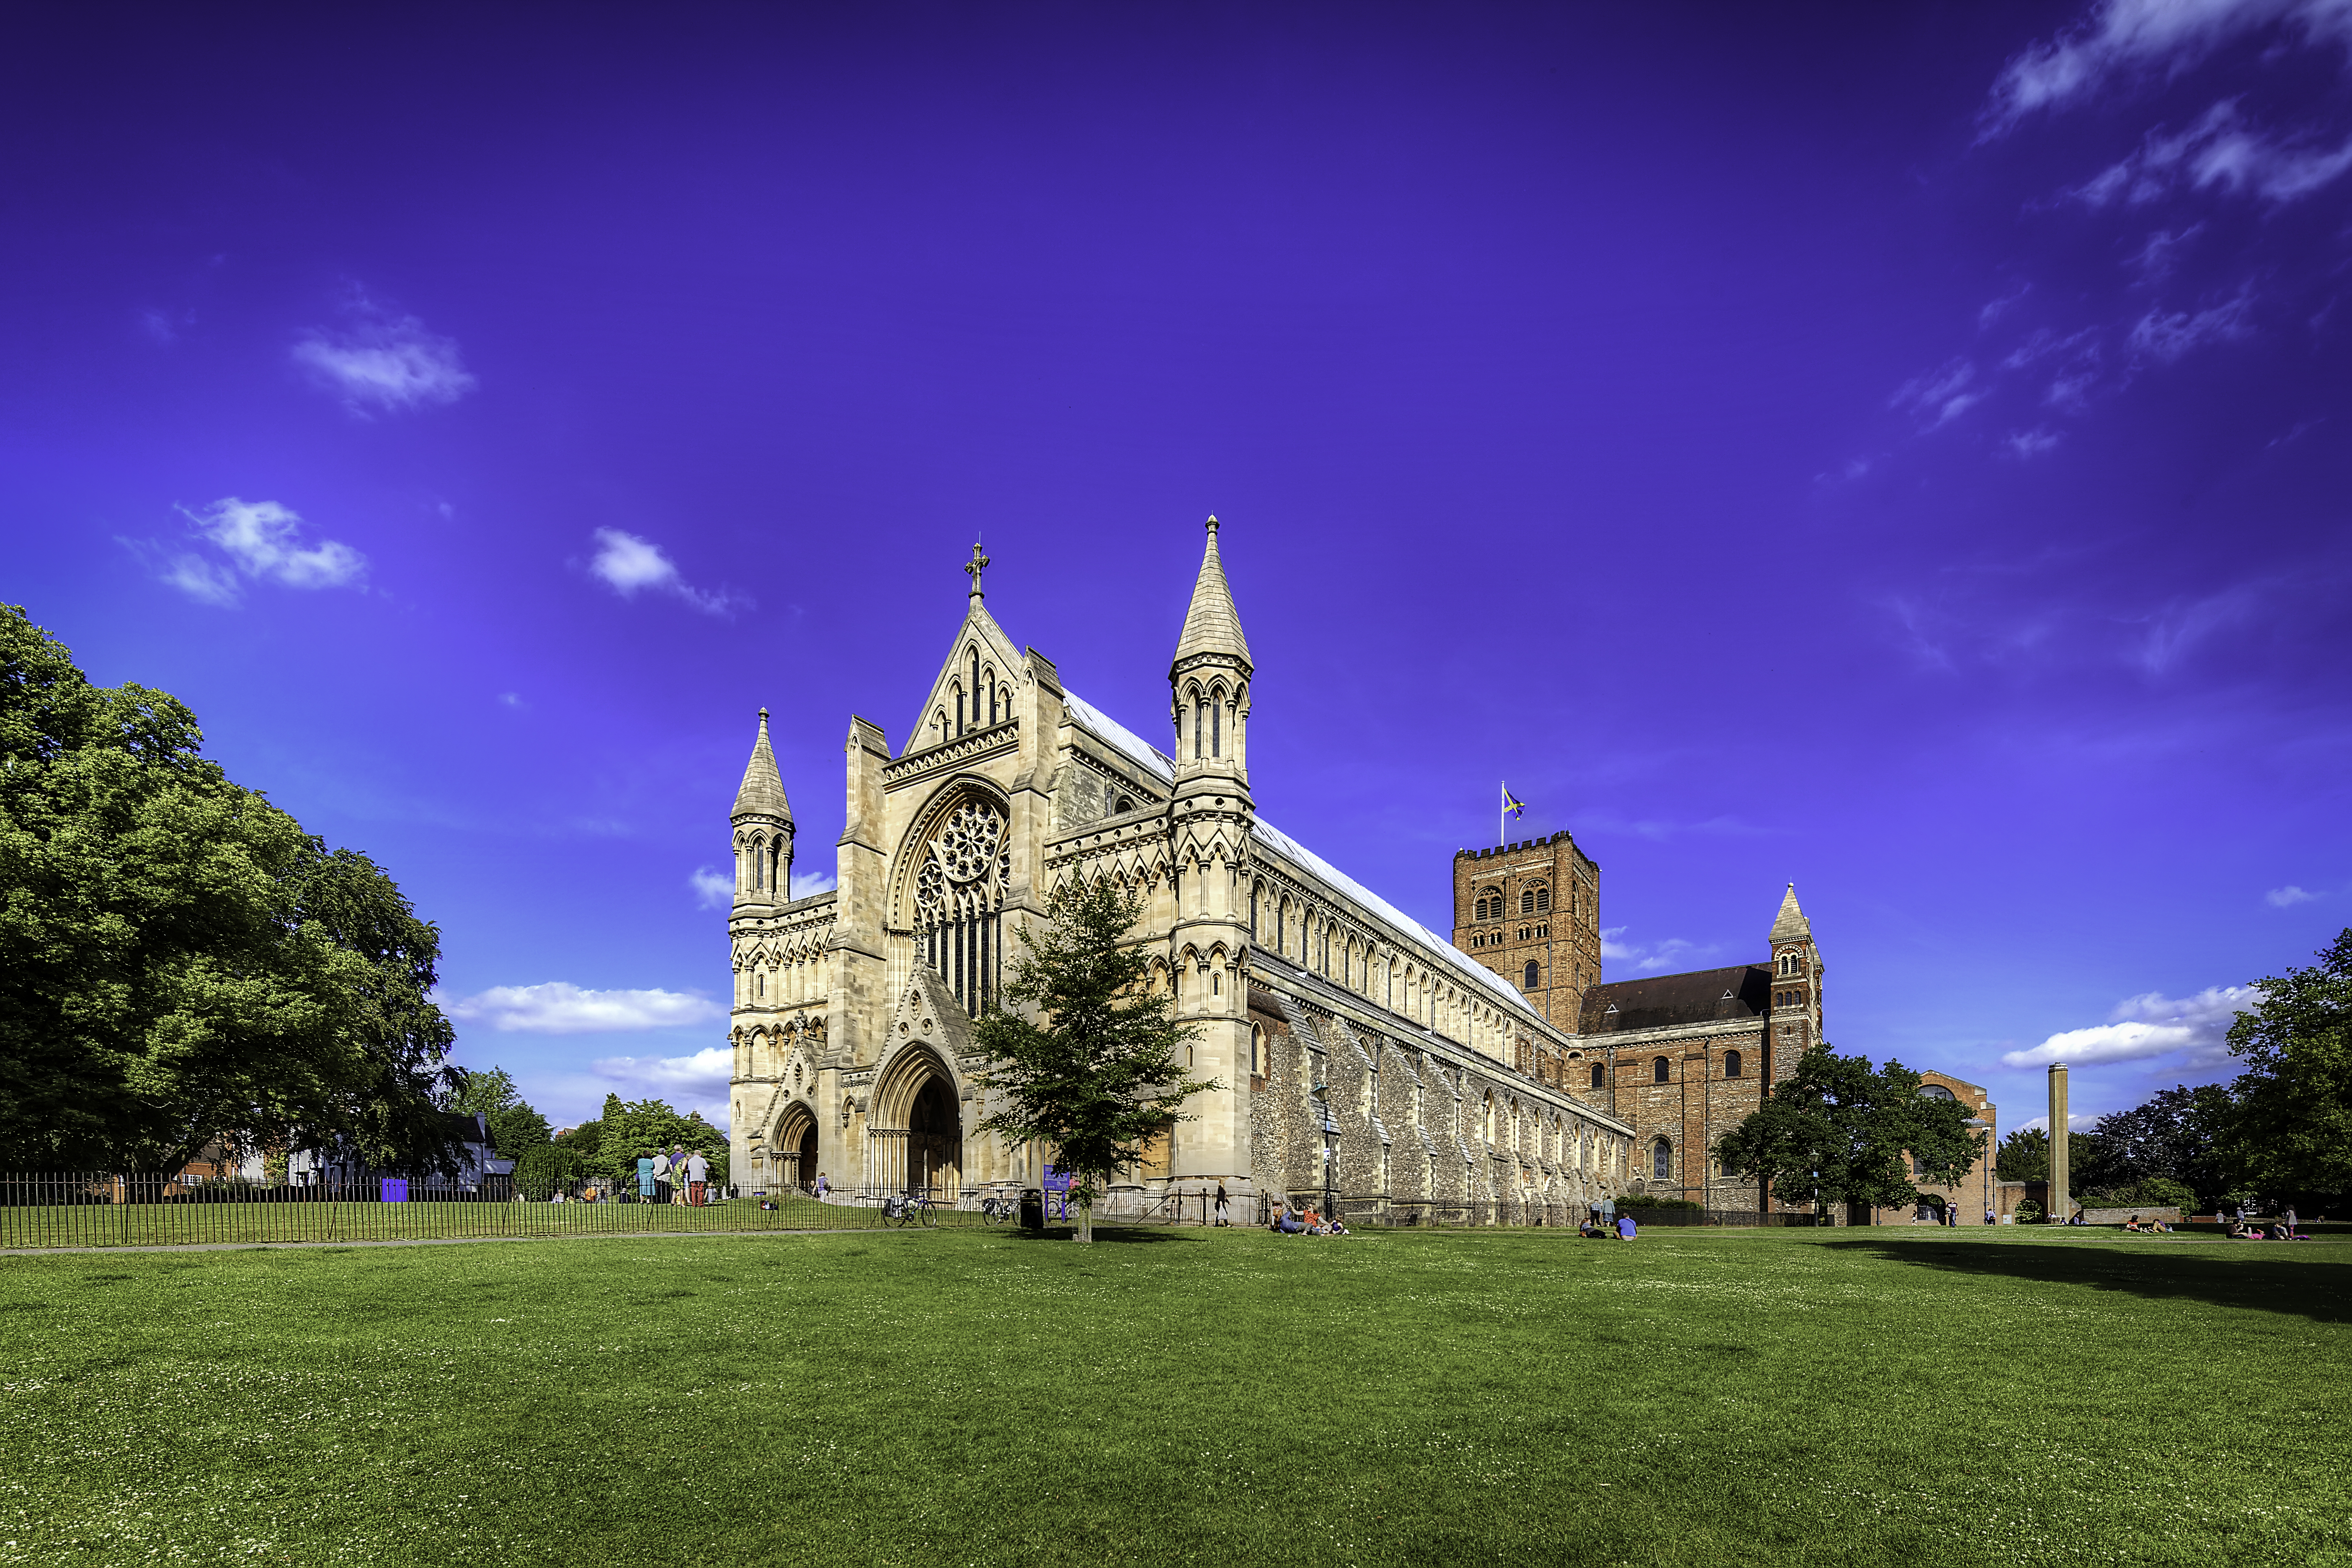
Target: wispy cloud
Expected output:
[2148,1025]
[696,1082]
[559,1007]
[805,883]
[2167,338]
[1648,957]
[2176,630]
[260,541]
[2287,898]
[2129,39]
[2032,443]
[630,565]
[378,361]
[1941,395]
[2073,1124]
[2219,151]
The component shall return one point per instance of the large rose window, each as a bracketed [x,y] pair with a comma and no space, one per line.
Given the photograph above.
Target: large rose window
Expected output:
[958,892]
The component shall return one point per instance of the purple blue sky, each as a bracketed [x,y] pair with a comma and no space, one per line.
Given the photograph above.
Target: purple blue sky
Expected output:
[1900,448]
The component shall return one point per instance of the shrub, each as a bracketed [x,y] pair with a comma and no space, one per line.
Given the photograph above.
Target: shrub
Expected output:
[2028,1213]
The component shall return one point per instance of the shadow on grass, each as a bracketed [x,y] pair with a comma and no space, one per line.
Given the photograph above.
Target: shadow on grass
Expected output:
[2308,1285]
[1104,1235]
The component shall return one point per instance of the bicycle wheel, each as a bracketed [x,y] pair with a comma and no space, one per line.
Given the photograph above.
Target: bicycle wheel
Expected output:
[928,1213]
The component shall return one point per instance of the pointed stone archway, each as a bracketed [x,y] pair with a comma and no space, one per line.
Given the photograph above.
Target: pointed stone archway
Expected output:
[916,1130]
[793,1151]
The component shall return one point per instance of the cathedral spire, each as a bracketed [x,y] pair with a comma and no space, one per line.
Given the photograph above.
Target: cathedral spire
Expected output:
[1791,925]
[1211,627]
[762,794]
[973,568]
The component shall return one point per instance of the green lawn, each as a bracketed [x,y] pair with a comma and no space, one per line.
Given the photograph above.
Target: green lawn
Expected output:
[966,1396]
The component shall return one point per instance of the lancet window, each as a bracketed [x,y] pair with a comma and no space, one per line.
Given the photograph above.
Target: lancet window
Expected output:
[960,903]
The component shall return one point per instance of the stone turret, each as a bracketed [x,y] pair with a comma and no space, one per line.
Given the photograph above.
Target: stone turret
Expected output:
[1209,836]
[1795,994]
[1209,679]
[762,821]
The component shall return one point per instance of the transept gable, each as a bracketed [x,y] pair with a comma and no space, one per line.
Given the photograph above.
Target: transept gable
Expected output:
[982,666]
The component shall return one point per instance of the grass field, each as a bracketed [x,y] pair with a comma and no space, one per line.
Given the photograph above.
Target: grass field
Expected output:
[966,1396]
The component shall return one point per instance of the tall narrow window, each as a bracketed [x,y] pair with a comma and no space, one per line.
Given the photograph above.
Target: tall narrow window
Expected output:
[1662,1160]
[1543,898]
[1200,728]
[1217,726]
[1599,1076]
[1533,970]
[1252,911]
[1659,1071]
[1731,1064]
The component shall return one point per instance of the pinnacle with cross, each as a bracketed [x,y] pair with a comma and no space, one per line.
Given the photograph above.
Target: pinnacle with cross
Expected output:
[974,567]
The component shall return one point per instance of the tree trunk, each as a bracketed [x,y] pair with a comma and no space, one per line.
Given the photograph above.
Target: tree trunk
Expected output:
[1087,1215]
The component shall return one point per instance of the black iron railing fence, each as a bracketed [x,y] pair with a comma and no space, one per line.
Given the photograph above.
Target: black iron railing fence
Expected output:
[107,1209]
[52,1209]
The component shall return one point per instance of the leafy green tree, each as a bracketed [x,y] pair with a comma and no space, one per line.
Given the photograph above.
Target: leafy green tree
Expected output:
[515,1126]
[2291,1125]
[1088,1067]
[635,1130]
[2178,1134]
[1838,1130]
[179,962]
[541,1171]
[2024,1156]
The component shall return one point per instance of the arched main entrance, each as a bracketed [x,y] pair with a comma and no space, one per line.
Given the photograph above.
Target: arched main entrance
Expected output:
[934,1137]
[917,1131]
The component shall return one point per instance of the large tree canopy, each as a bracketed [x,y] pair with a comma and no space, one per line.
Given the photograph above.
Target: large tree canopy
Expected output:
[1839,1129]
[2293,1116]
[179,962]
[1089,1067]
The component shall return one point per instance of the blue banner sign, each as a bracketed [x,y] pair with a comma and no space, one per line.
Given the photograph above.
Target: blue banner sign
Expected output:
[396,1189]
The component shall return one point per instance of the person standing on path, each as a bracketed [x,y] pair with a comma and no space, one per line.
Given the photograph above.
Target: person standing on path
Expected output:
[1222,1217]
[698,1176]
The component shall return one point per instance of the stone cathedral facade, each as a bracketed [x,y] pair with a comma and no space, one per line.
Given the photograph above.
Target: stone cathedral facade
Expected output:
[1338,1028]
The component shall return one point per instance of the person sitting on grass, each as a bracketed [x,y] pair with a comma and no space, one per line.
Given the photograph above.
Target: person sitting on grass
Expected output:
[1286,1222]
[1337,1227]
[2132,1224]
[1626,1229]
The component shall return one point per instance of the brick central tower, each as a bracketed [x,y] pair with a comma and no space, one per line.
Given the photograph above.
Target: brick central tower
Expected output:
[1530,912]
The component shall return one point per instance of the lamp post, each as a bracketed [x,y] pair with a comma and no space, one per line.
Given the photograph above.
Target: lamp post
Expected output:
[1330,1147]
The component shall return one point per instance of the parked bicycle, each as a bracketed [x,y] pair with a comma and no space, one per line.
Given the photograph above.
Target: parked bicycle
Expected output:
[910,1207]
[999,1208]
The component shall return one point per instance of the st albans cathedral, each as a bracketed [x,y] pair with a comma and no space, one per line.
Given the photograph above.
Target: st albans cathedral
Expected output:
[1356,1050]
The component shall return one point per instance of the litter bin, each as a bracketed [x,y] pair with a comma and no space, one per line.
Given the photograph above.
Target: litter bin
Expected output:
[1033,1209]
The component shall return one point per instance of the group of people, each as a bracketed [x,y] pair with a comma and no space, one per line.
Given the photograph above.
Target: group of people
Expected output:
[1289,1221]
[678,1175]
[1598,1228]
[2155,1225]
[2280,1229]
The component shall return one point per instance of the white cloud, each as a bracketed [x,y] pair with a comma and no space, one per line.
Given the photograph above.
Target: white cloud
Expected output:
[2032,443]
[1652,957]
[2288,897]
[383,361]
[2219,152]
[1941,395]
[558,1007]
[2176,631]
[2169,337]
[2148,1025]
[630,565]
[805,883]
[712,889]
[2131,38]
[2073,1124]
[693,1083]
[262,539]
[1994,309]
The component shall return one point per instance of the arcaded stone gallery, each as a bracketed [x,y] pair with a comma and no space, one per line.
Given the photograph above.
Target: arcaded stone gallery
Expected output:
[1355,1049]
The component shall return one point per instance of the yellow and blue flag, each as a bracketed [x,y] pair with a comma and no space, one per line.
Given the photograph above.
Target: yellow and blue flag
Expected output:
[1512,804]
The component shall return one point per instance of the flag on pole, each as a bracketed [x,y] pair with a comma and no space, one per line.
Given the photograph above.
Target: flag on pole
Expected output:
[1512,806]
